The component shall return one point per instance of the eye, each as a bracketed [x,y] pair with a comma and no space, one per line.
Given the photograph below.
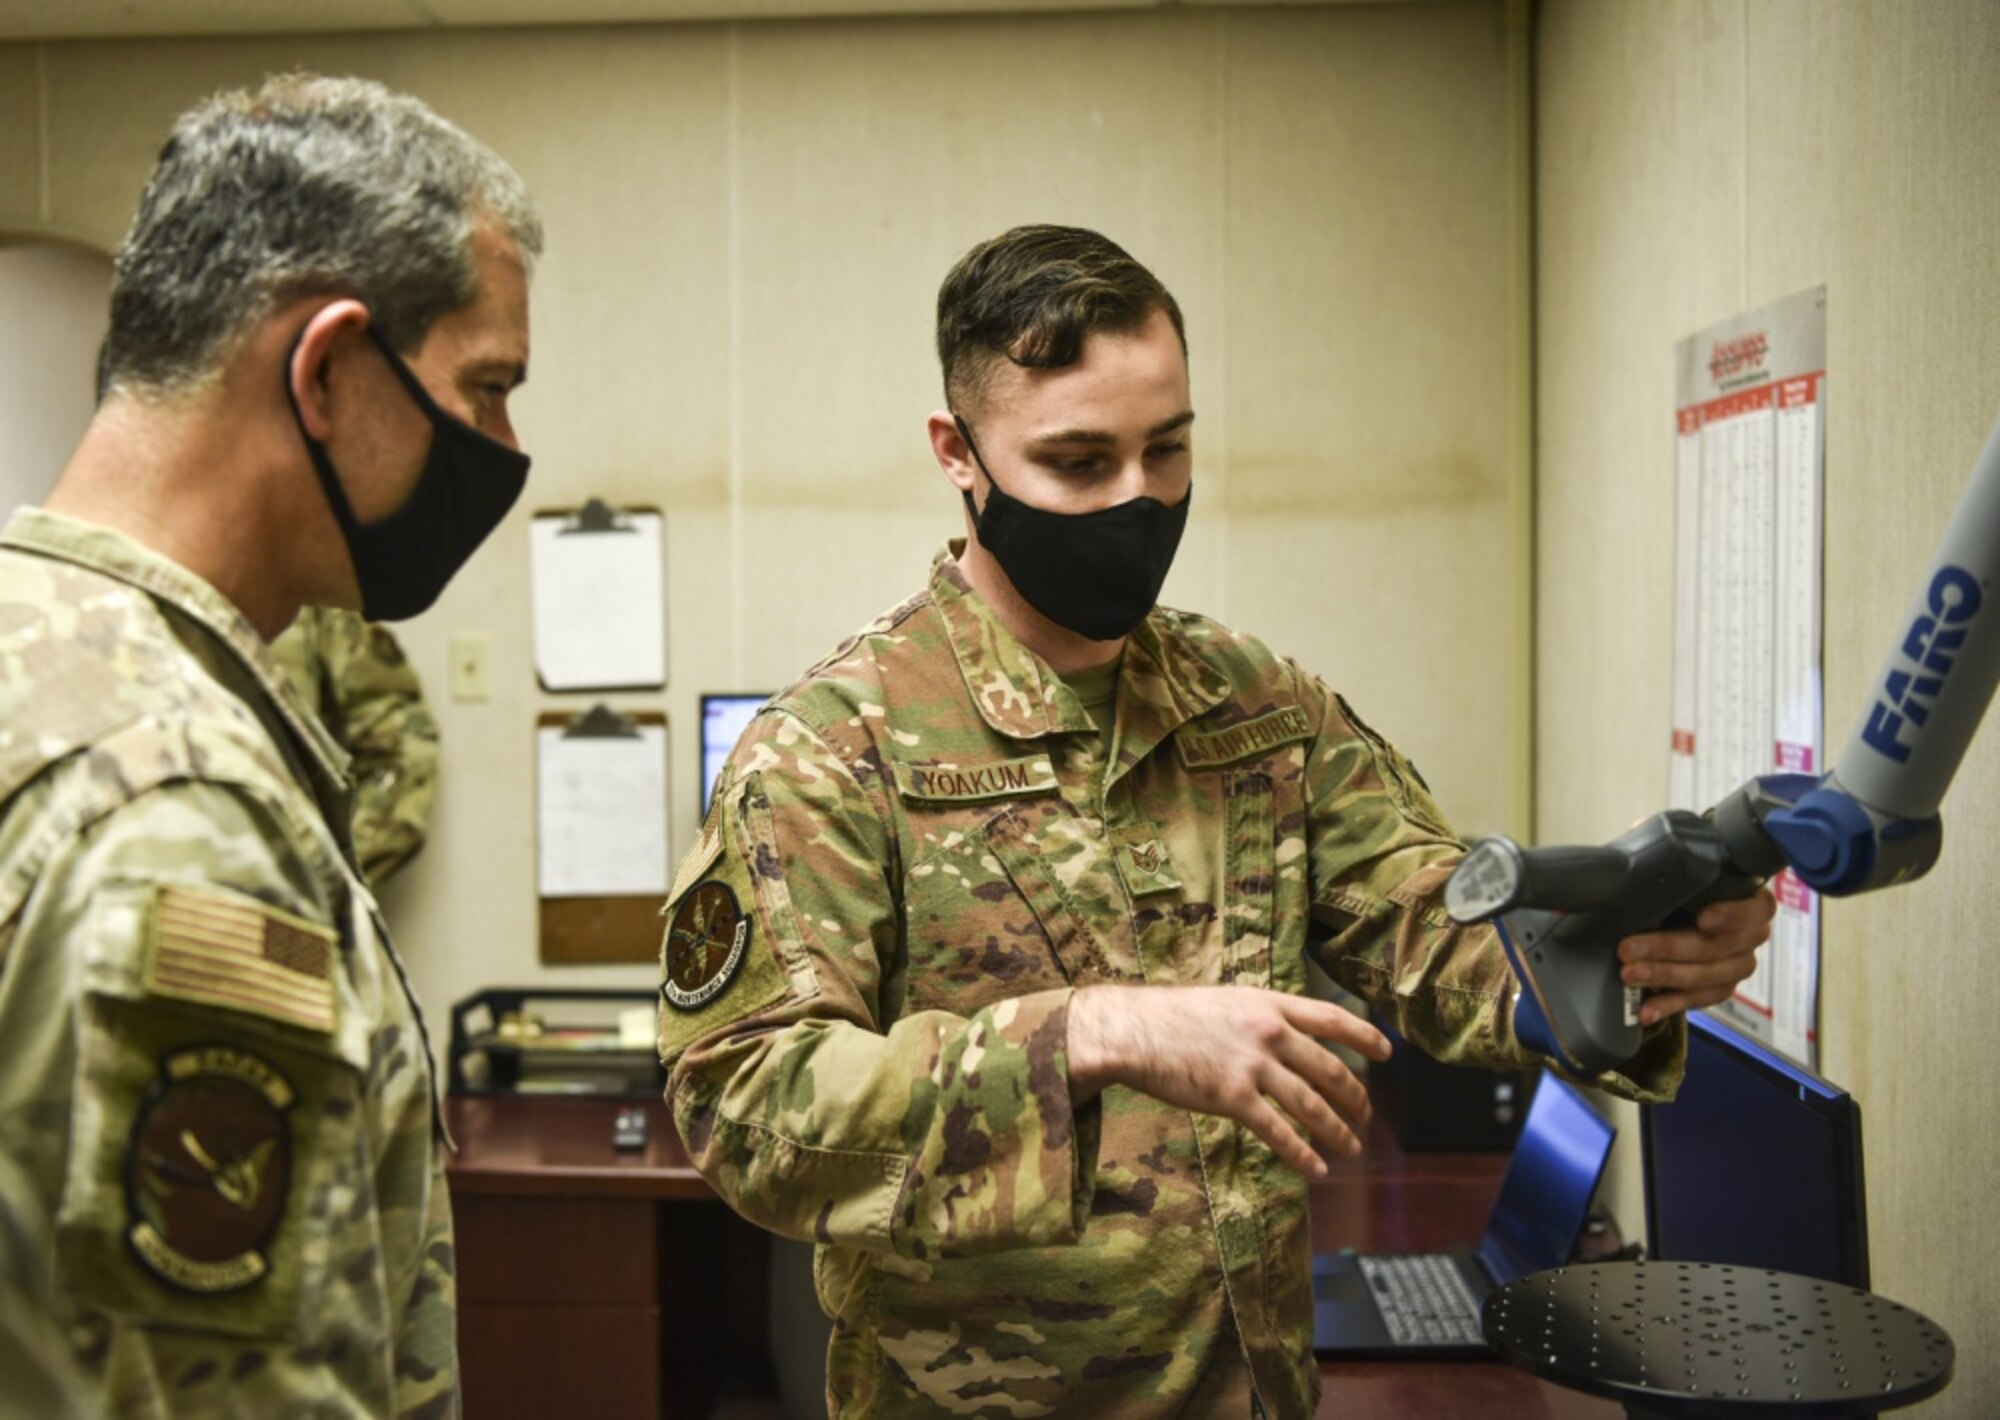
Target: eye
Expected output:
[1168,451]
[1076,465]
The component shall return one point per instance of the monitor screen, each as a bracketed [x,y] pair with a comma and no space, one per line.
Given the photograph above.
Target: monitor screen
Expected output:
[722,720]
[1757,1162]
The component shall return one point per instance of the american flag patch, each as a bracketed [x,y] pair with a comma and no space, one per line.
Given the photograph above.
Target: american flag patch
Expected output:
[231,952]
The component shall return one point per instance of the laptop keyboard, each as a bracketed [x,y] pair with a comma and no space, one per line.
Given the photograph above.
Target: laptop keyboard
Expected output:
[1423,1299]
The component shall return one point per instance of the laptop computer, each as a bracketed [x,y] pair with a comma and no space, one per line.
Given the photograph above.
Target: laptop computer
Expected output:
[1427,1304]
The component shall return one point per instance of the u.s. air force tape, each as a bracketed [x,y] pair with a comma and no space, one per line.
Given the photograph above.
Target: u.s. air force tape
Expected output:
[705,946]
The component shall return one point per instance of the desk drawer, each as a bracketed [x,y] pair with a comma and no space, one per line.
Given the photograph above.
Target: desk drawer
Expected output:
[598,1252]
[539,1361]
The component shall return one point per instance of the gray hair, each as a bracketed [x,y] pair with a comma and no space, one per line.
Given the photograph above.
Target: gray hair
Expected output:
[308,186]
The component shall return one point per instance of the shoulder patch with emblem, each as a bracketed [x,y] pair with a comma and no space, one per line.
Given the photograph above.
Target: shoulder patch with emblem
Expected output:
[224,950]
[208,1167]
[705,945]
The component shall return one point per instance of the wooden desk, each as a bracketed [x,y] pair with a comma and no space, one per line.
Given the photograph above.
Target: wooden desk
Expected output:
[1389,1201]
[592,1282]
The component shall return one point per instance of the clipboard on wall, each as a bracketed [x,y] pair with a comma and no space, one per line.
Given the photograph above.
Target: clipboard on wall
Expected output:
[598,579]
[602,863]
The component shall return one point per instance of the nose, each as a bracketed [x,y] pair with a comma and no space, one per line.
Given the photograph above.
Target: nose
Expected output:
[1131,478]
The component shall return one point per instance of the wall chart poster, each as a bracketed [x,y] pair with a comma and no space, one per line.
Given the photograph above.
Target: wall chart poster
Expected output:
[1749,454]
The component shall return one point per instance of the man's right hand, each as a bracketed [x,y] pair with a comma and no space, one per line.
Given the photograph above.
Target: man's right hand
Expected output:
[1241,1052]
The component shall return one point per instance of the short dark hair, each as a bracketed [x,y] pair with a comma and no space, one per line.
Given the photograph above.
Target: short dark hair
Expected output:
[1032,295]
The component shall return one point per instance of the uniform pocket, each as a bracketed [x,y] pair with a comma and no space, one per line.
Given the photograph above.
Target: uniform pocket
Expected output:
[981,920]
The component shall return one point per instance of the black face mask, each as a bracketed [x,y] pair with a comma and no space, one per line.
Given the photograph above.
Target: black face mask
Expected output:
[467,484]
[1096,574]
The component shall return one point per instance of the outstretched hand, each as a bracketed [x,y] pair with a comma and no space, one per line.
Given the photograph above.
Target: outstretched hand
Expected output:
[1241,1052]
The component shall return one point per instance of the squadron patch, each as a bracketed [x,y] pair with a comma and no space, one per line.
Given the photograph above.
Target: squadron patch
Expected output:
[207,1169]
[705,946]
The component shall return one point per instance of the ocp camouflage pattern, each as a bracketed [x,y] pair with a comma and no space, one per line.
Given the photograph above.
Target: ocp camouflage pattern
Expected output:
[150,755]
[354,675]
[937,851]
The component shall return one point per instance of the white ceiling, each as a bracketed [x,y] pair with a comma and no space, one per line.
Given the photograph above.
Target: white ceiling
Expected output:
[106,19]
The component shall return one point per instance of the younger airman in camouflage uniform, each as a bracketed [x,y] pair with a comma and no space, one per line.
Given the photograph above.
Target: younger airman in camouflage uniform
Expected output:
[996,997]
[216,1094]
[354,675]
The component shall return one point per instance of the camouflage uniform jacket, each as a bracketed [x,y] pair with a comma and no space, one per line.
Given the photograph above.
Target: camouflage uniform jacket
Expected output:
[215,1080]
[915,855]
[356,678]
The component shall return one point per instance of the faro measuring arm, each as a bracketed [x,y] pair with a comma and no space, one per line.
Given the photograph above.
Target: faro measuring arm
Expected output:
[1870,823]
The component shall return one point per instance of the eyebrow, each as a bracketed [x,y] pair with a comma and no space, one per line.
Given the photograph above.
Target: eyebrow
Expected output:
[1099,437]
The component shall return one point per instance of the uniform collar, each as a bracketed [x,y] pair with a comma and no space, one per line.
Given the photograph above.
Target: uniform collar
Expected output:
[113,554]
[1163,683]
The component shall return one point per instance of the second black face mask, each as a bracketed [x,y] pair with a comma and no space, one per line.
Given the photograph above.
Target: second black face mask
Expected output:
[1096,574]
[467,484]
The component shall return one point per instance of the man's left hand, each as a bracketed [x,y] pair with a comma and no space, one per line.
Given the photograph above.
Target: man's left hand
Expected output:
[1699,966]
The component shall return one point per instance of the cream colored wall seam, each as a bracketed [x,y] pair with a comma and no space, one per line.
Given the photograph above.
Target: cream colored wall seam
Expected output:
[43,200]
[733,163]
[1743,168]
[1220,381]
[1519,58]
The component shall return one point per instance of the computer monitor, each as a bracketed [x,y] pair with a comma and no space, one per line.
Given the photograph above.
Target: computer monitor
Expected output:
[722,720]
[1757,1162]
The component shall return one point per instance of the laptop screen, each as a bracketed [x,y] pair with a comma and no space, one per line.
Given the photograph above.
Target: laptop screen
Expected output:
[1550,1181]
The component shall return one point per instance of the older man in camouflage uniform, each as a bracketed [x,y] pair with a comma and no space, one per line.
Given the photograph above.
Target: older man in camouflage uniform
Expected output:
[354,675]
[215,1079]
[985,973]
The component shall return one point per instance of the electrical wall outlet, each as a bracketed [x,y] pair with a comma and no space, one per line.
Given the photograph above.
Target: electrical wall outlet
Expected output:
[471,666]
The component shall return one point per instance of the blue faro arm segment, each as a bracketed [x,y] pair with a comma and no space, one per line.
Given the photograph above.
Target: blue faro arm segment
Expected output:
[1874,820]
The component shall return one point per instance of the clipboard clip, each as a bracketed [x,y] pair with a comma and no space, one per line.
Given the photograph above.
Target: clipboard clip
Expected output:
[601,722]
[596,516]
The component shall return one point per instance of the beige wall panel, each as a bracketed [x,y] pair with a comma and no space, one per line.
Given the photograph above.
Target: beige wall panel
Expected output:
[808,581]
[873,154]
[624,143]
[1859,154]
[1639,108]
[52,317]
[1383,607]
[1364,408]
[480,12]
[20,139]
[111,19]
[1366,259]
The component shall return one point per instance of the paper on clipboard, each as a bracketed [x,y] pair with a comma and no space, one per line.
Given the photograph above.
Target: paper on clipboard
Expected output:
[599,599]
[601,812]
